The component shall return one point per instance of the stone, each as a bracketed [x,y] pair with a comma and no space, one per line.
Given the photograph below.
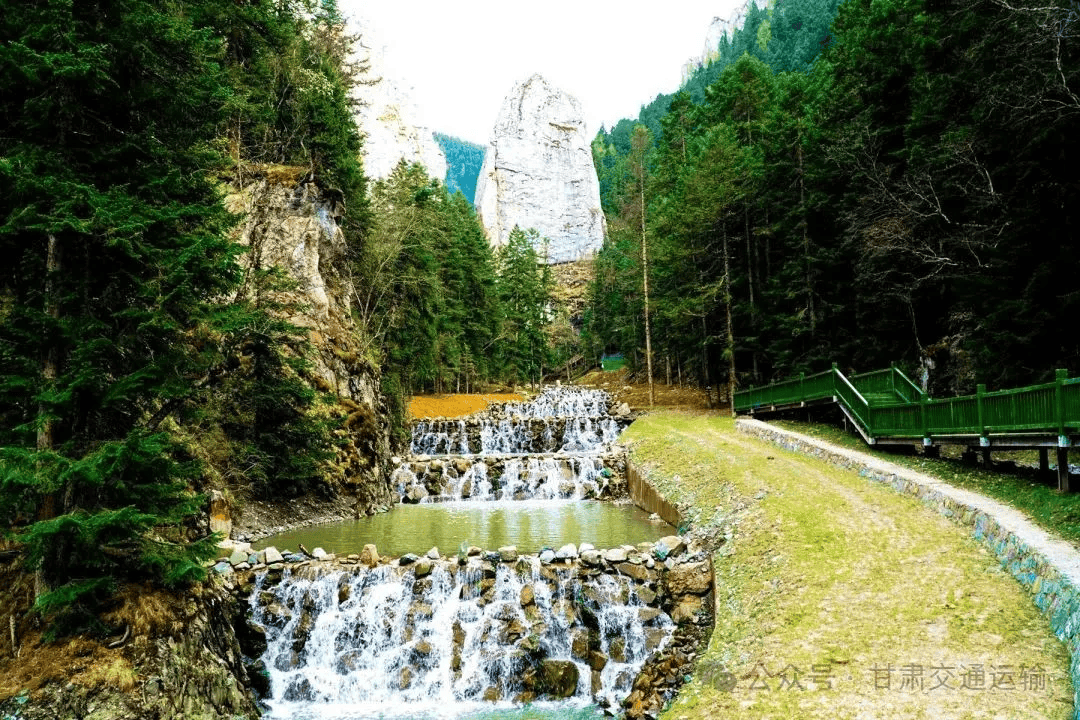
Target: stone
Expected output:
[558,678]
[272,555]
[547,556]
[597,660]
[616,555]
[392,124]
[538,173]
[687,578]
[237,557]
[220,517]
[508,553]
[583,547]
[407,559]
[414,494]
[370,556]
[638,572]
[319,554]
[592,558]
[646,595]
[686,609]
[423,567]
[223,567]
[567,552]
[527,595]
[433,554]
[669,546]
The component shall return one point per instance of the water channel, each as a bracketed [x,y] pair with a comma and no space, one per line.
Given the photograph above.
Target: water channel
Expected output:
[460,640]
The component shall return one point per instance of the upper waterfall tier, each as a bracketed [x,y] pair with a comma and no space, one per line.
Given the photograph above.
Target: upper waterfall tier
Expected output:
[561,419]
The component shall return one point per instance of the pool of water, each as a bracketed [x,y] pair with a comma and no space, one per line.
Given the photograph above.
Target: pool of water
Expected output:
[460,711]
[531,525]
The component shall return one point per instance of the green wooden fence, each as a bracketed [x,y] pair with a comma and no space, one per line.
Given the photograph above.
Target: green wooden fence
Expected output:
[886,403]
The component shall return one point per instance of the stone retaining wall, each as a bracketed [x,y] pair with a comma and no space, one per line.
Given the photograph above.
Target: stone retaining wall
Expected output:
[646,497]
[1048,567]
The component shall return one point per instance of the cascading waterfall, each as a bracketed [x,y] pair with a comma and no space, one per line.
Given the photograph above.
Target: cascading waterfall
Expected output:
[430,639]
[384,640]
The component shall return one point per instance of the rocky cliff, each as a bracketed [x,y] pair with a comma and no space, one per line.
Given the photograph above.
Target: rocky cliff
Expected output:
[293,225]
[538,173]
[386,114]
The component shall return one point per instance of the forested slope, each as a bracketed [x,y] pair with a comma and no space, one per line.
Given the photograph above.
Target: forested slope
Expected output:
[907,195]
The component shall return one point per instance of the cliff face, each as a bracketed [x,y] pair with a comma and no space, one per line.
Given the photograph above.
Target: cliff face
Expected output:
[387,115]
[538,173]
[295,227]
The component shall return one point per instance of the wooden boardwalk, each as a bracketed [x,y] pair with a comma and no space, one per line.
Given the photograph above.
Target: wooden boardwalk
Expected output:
[887,408]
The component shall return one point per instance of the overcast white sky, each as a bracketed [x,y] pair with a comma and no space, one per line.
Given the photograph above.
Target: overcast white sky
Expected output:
[462,58]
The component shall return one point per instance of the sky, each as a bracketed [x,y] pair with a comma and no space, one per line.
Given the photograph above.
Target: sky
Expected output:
[462,58]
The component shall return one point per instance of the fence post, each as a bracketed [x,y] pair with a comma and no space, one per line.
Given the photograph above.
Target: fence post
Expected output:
[980,390]
[1059,404]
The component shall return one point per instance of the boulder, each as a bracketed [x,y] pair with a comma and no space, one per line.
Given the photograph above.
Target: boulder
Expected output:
[508,553]
[558,678]
[695,578]
[566,552]
[370,556]
[616,555]
[272,555]
[538,173]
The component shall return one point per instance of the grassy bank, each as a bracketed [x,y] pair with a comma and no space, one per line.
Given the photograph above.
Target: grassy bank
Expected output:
[1020,487]
[838,598]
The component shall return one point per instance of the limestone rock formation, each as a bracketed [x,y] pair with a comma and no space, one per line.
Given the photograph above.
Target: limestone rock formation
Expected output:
[294,226]
[538,173]
[386,113]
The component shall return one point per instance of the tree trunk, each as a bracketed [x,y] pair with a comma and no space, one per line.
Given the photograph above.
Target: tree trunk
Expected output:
[730,328]
[49,364]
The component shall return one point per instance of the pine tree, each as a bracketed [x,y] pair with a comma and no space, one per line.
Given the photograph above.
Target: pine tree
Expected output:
[117,246]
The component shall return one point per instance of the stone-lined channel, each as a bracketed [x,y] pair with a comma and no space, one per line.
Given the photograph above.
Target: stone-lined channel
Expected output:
[571,624]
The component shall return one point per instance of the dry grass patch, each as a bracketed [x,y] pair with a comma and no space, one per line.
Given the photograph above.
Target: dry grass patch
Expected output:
[839,598]
[429,406]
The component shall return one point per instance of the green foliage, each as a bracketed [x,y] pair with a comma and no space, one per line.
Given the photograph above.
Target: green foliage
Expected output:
[114,340]
[900,197]
[524,291]
[463,163]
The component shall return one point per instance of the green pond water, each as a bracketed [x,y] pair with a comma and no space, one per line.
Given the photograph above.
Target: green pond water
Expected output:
[530,525]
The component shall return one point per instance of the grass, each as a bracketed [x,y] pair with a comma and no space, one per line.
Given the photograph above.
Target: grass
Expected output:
[1019,487]
[835,595]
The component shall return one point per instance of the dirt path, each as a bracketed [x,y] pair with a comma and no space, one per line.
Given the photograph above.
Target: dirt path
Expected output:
[838,598]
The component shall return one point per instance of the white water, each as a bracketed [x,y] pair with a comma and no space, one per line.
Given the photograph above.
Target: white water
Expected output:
[385,646]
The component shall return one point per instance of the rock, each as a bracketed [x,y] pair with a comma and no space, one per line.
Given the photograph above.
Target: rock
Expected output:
[547,556]
[638,572]
[319,554]
[508,553]
[237,557]
[272,556]
[527,595]
[538,173]
[648,614]
[597,660]
[591,558]
[433,554]
[693,578]
[687,609]
[615,555]
[423,567]
[223,567]
[583,547]
[414,494]
[669,546]
[646,595]
[386,113]
[566,552]
[558,678]
[220,517]
[370,556]
[406,559]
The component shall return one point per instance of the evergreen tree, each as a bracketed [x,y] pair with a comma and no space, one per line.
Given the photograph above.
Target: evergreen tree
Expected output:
[117,246]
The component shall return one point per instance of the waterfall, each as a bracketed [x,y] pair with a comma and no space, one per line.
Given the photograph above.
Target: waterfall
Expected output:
[388,640]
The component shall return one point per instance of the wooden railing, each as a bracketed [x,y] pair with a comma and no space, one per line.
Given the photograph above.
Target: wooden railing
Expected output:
[886,403]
